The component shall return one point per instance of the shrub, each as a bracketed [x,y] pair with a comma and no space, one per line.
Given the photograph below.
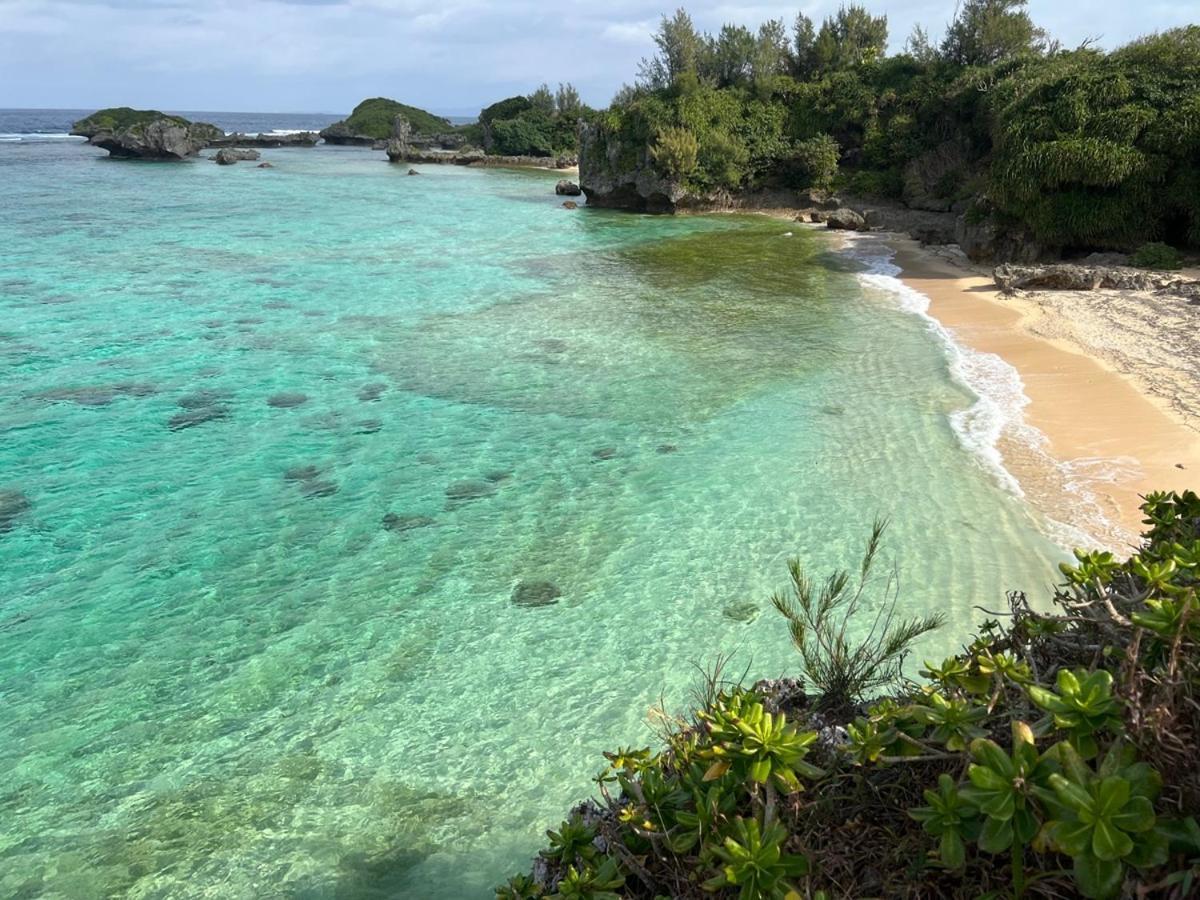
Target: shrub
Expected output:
[677,152]
[1156,256]
[1054,756]
[821,621]
[817,161]
[527,135]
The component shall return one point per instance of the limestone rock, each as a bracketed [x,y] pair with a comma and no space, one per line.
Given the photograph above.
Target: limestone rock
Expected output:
[931,180]
[618,177]
[845,220]
[398,142]
[227,156]
[977,233]
[269,139]
[570,204]
[168,138]
[815,198]
[1071,277]
[566,188]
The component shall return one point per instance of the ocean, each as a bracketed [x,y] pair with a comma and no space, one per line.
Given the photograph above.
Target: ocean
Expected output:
[347,516]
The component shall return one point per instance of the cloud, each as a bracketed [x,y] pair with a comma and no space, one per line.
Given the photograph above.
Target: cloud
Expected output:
[327,54]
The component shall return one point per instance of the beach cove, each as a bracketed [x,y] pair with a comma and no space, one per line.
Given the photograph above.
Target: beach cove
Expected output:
[300,445]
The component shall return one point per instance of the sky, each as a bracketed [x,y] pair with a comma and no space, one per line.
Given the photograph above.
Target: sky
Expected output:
[449,56]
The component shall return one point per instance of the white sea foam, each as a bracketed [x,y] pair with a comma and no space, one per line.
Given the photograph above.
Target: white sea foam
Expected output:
[32,137]
[999,410]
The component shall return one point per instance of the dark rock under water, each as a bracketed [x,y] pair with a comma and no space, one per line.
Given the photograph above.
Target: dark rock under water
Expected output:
[472,489]
[13,504]
[399,522]
[193,417]
[301,473]
[536,593]
[287,399]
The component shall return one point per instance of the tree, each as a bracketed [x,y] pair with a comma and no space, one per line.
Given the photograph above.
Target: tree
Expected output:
[730,56]
[850,38]
[679,50]
[770,55]
[987,31]
[804,39]
[566,100]
[543,100]
[919,47]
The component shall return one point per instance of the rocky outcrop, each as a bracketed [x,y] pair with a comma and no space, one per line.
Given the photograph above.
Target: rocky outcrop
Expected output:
[1071,277]
[617,176]
[341,133]
[932,179]
[567,188]
[398,143]
[237,139]
[845,220]
[983,238]
[230,155]
[166,138]
[476,157]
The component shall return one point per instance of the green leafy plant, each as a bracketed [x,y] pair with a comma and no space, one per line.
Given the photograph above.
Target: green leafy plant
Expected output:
[572,840]
[520,887]
[756,744]
[588,883]
[955,722]
[822,622]
[949,818]
[1083,706]
[753,860]
[1105,819]
[1002,789]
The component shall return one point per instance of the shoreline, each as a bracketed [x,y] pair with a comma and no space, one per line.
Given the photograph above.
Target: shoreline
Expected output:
[1090,437]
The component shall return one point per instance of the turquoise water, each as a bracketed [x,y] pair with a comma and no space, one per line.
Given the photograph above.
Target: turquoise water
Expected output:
[221,675]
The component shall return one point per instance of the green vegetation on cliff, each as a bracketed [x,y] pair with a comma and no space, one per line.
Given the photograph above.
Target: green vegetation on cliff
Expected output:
[543,123]
[1054,756]
[1078,148]
[118,118]
[373,119]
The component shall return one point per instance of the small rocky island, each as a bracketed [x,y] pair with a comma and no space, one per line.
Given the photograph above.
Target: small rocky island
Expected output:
[149,134]
[372,121]
[146,133]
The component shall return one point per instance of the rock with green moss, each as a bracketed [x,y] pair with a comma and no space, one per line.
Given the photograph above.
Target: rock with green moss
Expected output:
[146,133]
[372,121]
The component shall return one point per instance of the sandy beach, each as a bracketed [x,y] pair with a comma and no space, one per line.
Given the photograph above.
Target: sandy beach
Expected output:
[1113,382]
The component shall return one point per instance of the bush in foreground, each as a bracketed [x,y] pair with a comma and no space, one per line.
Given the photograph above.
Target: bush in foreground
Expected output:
[1054,756]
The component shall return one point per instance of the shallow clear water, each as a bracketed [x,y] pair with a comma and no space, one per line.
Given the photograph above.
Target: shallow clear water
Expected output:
[219,681]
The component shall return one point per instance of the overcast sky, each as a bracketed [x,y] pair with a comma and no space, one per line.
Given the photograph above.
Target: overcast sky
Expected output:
[451,56]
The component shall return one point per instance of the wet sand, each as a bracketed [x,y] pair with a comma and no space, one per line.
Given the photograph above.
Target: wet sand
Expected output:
[1113,386]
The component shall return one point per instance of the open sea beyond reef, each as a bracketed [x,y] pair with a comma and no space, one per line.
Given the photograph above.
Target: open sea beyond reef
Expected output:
[222,675]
